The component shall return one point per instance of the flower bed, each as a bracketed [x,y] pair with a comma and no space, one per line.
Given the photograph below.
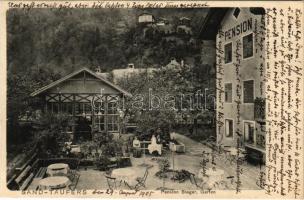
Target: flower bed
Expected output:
[174,175]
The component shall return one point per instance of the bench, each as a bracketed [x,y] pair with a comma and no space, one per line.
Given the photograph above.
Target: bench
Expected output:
[26,182]
[36,179]
[26,163]
[41,172]
[255,155]
[34,184]
[22,175]
[23,172]
[35,164]
[11,183]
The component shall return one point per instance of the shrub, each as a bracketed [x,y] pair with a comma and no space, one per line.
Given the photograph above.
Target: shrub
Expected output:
[164,165]
[50,135]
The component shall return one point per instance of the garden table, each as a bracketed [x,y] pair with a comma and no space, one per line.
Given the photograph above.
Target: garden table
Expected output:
[54,182]
[128,174]
[57,168]
[75,149]
[215,176]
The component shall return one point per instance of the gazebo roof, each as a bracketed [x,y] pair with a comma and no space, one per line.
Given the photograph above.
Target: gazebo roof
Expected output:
[55,83]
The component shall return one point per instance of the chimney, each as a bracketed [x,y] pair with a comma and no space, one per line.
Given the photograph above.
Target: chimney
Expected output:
[131,66]
[172,60]
[98,71]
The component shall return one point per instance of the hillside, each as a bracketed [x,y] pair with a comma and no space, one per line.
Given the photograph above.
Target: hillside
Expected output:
[65,40]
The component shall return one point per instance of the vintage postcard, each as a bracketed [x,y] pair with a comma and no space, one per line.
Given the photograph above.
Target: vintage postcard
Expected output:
[152,99]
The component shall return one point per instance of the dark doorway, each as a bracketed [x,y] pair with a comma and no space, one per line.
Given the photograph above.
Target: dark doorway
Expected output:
[83,128]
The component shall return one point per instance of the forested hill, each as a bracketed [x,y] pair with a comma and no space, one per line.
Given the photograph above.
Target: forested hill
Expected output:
[65,40]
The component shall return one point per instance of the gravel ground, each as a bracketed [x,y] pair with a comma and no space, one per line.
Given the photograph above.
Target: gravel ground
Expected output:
[93,179]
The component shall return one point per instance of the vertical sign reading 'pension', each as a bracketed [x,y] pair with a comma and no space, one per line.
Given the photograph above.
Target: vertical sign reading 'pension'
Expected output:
[284,105]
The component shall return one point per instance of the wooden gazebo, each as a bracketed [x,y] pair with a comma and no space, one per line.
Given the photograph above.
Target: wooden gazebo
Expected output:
[92,101]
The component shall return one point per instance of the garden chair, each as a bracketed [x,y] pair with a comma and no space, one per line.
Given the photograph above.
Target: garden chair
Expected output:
[129,186]
[221,185]
[225,184]
[77,164]
[72,175]
[243,157]
[74,178]
[230,179]
[112,166]
[194,181]
[73,185]
[233,158]
[113,163]
[111,181]
[141,181]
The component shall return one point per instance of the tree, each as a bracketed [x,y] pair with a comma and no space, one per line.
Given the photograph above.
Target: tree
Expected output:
[167,86]
[19,102]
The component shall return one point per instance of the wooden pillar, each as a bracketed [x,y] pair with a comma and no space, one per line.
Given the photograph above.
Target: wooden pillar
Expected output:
[59,104]
[118,121]
[45,105]
[73,106]
[92,116]
[73,113]
[106,114]
[121,126]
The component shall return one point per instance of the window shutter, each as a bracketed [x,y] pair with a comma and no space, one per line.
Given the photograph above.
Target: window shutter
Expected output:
[228,53]
[228,92]
[248,46]
[248,91]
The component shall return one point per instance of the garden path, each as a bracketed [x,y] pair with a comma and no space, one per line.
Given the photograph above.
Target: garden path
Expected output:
[250,175]
[188,161]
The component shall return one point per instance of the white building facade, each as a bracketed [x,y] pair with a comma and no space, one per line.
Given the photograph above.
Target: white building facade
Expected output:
[240,82]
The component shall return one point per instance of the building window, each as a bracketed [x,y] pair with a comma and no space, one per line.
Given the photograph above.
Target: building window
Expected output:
[248,91]
[249,132]
[67,107]
[112,108]
[55,107]
[236,12]
[228,53]
[99,108]
[248,46]
[113,123]
[228,92]
[100,123]
[88,108]
[78,109]
[228,127]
